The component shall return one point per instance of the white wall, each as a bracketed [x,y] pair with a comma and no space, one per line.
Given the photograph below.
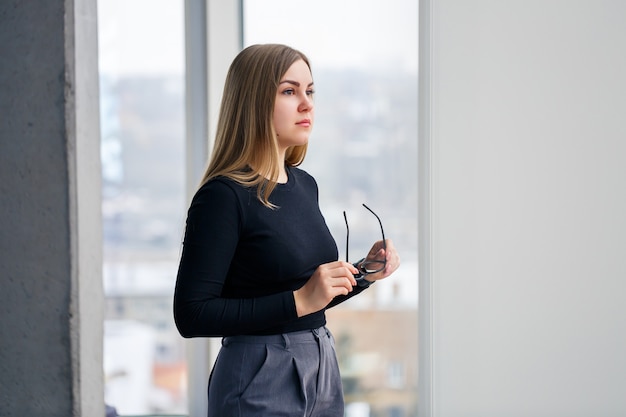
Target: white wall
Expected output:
[523,208]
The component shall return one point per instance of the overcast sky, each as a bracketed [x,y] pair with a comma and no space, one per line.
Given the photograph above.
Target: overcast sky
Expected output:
[338,33]
[147,35]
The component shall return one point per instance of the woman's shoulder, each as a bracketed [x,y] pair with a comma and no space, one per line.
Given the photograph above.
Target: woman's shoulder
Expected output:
[302,175]
[222,188]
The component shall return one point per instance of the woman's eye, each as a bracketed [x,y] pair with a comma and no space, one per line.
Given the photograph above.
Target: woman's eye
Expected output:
[291,92]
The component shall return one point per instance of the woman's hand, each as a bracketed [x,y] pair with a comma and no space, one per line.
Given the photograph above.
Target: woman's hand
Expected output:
[378,253]
[327,282]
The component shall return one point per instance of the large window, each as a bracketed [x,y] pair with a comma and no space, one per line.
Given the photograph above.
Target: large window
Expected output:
[363,150]
[143,137]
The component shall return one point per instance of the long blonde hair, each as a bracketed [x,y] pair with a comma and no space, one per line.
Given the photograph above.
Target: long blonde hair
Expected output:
[245,148]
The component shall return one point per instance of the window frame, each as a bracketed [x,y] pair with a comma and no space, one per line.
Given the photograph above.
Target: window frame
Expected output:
[213,37]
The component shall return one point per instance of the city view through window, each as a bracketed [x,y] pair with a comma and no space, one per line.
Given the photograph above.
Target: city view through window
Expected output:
[363,150]
[143,155]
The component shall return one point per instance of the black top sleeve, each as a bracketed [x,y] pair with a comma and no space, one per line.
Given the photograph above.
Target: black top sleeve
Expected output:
[214,224]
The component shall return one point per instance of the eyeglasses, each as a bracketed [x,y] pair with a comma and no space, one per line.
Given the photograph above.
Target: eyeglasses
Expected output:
[367,267]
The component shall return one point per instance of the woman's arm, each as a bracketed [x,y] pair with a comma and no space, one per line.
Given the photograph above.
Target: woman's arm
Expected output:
[214,222]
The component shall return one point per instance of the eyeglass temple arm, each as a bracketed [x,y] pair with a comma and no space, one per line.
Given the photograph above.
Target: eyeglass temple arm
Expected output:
[347,236]
[382,231]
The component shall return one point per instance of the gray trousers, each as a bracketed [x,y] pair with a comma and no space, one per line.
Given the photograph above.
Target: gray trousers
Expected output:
[291,374]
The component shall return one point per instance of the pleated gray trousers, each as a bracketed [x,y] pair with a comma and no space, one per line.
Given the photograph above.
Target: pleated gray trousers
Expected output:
[292,375]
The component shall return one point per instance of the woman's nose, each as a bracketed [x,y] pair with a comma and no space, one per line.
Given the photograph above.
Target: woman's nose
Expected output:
[306,104]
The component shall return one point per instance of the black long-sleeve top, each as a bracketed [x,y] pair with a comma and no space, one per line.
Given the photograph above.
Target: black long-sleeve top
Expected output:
[241,261]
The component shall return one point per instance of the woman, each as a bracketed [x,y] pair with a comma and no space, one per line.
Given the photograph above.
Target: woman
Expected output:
[259,265]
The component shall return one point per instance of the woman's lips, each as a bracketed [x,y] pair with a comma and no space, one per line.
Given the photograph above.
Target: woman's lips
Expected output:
[304,123]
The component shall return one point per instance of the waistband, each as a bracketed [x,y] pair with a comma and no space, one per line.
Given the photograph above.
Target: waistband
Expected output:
[284,339]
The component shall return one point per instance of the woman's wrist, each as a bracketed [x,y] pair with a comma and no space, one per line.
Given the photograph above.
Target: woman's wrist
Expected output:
[300,302]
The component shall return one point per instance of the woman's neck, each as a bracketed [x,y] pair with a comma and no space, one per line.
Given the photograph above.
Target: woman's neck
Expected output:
[282,173]
[282,176]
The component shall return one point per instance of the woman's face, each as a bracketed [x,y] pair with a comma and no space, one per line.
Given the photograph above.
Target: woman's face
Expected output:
[293,110]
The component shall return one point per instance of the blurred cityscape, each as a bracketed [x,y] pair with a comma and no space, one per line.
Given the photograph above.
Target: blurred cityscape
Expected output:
[363,150]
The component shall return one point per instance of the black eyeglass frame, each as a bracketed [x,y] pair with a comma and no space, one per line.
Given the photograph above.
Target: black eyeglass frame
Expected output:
[363,264]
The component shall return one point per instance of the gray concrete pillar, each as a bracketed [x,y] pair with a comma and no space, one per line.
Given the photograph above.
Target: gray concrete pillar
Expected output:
[51,298]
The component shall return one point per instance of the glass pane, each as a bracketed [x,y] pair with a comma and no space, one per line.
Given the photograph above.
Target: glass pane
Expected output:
[363,150]
[142,123]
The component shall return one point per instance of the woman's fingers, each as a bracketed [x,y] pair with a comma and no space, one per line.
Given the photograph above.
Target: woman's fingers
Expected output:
[327,282]
[390,255]
[341,270]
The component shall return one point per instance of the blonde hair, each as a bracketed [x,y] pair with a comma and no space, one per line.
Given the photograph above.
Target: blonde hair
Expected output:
[245,148]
